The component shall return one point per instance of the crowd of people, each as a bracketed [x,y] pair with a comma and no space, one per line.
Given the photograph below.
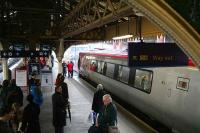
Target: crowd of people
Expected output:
[16,119]
[11,99]
[104,110]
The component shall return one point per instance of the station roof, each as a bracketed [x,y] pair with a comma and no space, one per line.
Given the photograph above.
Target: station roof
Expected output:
[53,19]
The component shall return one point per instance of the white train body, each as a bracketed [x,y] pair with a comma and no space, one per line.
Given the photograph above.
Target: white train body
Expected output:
[170,95]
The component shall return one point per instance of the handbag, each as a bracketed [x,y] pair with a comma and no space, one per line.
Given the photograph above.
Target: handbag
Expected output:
[113,129]
[93,129]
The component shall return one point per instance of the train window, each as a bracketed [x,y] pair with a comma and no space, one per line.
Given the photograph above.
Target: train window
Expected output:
[123,74]
[100,67]
[119,74]
[143,80]
[93,65]
[84,63]
[104,68]
[109,69]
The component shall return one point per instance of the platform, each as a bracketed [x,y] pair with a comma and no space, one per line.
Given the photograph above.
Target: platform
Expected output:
[81,94]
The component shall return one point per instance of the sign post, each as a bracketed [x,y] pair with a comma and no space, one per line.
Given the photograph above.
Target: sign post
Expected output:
[47,79]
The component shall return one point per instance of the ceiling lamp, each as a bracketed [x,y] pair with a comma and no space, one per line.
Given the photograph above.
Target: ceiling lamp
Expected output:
[122,37]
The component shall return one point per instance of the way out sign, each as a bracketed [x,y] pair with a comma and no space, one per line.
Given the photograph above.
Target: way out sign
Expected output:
[155,55]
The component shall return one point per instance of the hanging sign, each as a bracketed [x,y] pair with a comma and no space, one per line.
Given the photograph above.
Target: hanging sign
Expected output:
[155,55]
[23,53]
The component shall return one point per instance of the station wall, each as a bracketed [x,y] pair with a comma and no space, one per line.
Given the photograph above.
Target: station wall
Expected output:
[148,29]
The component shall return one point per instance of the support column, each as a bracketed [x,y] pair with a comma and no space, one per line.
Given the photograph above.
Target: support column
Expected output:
[5,68]
[60,54]
[60,64]
[4,64]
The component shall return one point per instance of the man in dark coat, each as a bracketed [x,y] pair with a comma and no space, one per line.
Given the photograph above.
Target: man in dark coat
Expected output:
[59,112]
[107,115]
[15,94]
[64,87]
[3,97]
[97,102]
[65,95]
[30,118]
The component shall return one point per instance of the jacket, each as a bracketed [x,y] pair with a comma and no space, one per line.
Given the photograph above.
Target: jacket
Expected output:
[107,117]
[30,119]
[59,112]
[97,102]
[65,93]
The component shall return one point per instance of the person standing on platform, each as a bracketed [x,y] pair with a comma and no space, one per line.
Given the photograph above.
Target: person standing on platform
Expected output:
[15,94]
[30,118]
[64,65]
[3,97]
[5,114]
[32,80]
[59,111]
[70,69]
[52,60]
[36,92]
[107,116]
[58,79]
[65,95]
[97,102]
[64,87]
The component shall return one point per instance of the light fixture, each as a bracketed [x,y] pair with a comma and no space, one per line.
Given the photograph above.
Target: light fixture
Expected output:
[122,37]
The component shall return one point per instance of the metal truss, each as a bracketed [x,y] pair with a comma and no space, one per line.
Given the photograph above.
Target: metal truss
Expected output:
[91,14]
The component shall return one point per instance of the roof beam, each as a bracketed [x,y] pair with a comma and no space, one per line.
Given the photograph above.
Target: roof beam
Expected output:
[126,11]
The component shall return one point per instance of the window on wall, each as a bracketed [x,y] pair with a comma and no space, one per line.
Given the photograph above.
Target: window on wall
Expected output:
[93,65]
[110,69]
[143,80]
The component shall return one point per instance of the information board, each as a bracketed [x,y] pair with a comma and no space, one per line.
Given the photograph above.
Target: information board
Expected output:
[155,55]
[47,79]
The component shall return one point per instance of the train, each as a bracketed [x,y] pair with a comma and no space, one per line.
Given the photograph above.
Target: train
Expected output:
[168,95]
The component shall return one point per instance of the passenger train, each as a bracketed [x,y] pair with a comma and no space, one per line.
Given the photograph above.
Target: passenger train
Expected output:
[166,94]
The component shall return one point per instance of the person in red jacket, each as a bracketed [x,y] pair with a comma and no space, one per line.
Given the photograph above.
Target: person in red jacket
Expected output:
[70,69]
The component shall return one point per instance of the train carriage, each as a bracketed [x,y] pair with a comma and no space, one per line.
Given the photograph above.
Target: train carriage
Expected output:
[166,94]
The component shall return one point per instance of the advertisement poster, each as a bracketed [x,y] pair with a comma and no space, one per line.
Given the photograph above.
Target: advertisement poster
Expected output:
[21,77]
[34,68]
